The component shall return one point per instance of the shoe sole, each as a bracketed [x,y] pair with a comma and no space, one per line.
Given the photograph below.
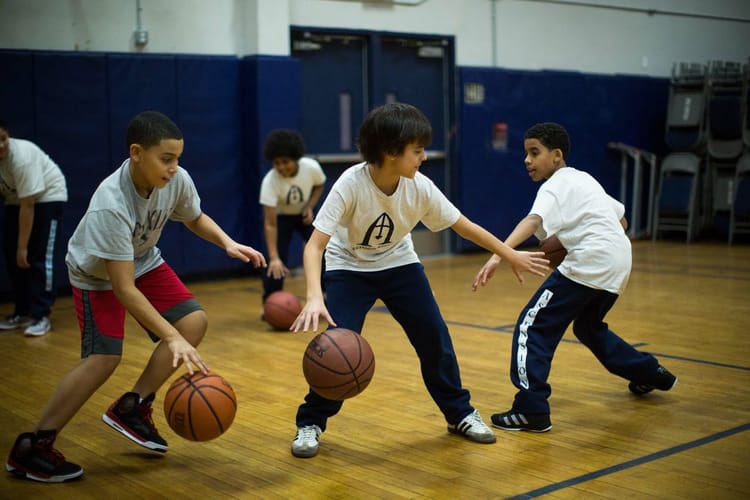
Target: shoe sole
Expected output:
[36,334]
[42,479]
[516,429]
[487,440]
[305,454]
[146,444]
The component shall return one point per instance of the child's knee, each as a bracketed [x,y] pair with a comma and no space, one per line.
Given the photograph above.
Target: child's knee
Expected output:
[193,326]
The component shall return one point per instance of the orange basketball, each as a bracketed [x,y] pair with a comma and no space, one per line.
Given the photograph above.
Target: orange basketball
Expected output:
[281,308]
[553,250]
[200,407]
[338,364]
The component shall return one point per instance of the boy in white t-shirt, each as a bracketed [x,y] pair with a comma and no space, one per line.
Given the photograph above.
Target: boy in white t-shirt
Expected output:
[288,194]
[364,226]
[35,193]
[591,226]
[115,266]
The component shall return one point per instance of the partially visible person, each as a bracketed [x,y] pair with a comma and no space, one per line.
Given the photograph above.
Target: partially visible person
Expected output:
[288,194]
[114,266]
[35,194]
[591,225]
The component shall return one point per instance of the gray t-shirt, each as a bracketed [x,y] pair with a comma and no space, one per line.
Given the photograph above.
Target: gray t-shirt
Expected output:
[121,225]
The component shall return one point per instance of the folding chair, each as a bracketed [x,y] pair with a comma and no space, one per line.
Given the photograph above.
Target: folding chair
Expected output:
[685,126]
[676,200]
[724,131]
[739,215]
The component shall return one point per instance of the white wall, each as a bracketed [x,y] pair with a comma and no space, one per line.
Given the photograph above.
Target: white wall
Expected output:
[519,34]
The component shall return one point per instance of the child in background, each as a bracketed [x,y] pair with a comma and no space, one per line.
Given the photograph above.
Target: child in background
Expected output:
[114,266]
[35,193]
[288,194]
[591,226]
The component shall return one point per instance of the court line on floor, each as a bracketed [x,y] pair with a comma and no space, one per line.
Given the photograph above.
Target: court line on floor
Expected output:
[631,463]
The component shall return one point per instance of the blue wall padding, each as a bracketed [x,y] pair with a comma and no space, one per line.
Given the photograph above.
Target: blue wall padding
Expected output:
[495,190]
[270,100]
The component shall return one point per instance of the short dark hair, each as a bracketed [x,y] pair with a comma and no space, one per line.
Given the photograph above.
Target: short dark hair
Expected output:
[551,135]
[149,128]
[283,142]
[3,124]
[388,129]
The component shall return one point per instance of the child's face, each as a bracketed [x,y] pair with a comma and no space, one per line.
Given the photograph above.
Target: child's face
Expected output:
[157,164]
[541,162]
[285,166]
[407,163]
[4,143]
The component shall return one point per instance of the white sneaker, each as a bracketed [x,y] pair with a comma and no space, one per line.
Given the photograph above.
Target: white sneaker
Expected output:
[14,322]
[474,429]
[305,444]
[38,328]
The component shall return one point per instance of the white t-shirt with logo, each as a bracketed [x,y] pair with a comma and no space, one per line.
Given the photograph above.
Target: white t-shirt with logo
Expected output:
[290,194]
[27,171]
[121,225]
[586,220]
[371,231]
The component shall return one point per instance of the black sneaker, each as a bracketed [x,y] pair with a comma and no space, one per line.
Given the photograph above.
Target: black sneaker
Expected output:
[133,420]
[512,420]
[33,457]
[663,380]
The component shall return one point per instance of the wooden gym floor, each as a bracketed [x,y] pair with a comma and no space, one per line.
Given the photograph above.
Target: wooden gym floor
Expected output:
[687,304]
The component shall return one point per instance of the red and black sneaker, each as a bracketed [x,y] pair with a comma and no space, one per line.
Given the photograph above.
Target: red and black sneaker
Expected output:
[33,457]
[132,418]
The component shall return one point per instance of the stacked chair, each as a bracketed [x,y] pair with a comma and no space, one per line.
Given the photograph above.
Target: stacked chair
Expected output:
[676,206]
[739,216]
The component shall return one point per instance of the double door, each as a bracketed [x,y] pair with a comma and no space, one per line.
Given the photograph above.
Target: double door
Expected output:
[344,74]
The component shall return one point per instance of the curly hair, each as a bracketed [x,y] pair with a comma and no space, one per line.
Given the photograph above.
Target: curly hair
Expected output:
[283,142]
[390,128]
[551,135]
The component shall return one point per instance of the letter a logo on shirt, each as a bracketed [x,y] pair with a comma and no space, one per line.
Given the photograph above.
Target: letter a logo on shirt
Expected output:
[381,230]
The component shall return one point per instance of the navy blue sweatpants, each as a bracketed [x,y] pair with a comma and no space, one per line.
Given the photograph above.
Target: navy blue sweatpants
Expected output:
[407,294]
[34,288]
[286,226]
[542,324]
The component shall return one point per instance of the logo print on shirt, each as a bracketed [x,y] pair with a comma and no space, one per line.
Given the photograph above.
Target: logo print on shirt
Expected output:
[155,220]
[294,196]
[381,230]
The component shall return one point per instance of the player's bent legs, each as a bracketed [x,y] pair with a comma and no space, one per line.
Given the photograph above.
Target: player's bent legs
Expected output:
[75,389]
[159,367]
[616,355]
[408,296]
[538,331]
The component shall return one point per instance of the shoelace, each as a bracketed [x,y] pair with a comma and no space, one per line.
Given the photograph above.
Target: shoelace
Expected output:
[146,411]
[307,433]
[50,453]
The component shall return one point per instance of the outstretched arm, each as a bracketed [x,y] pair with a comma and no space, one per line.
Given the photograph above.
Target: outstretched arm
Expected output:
[520,262]
[315,304]
[205,227]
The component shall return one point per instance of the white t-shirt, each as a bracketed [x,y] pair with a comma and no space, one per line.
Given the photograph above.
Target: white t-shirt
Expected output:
[290,194]
[121,225]
[586,220]
[371,231]
[27,171]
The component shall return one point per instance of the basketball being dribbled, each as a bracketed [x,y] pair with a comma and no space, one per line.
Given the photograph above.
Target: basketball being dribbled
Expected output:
[553,250]
[338,364]
[200,407]
[280,309]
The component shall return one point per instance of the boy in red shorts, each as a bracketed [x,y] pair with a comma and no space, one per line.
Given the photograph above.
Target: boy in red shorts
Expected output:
[114,266]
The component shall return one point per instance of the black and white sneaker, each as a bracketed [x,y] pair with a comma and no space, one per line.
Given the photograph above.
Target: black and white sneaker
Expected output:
[513,420]
[474,429]
[34,457]
[663,380]
[133,420]
[305,442]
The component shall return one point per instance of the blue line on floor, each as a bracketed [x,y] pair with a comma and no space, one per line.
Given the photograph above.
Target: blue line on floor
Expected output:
[632,463]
